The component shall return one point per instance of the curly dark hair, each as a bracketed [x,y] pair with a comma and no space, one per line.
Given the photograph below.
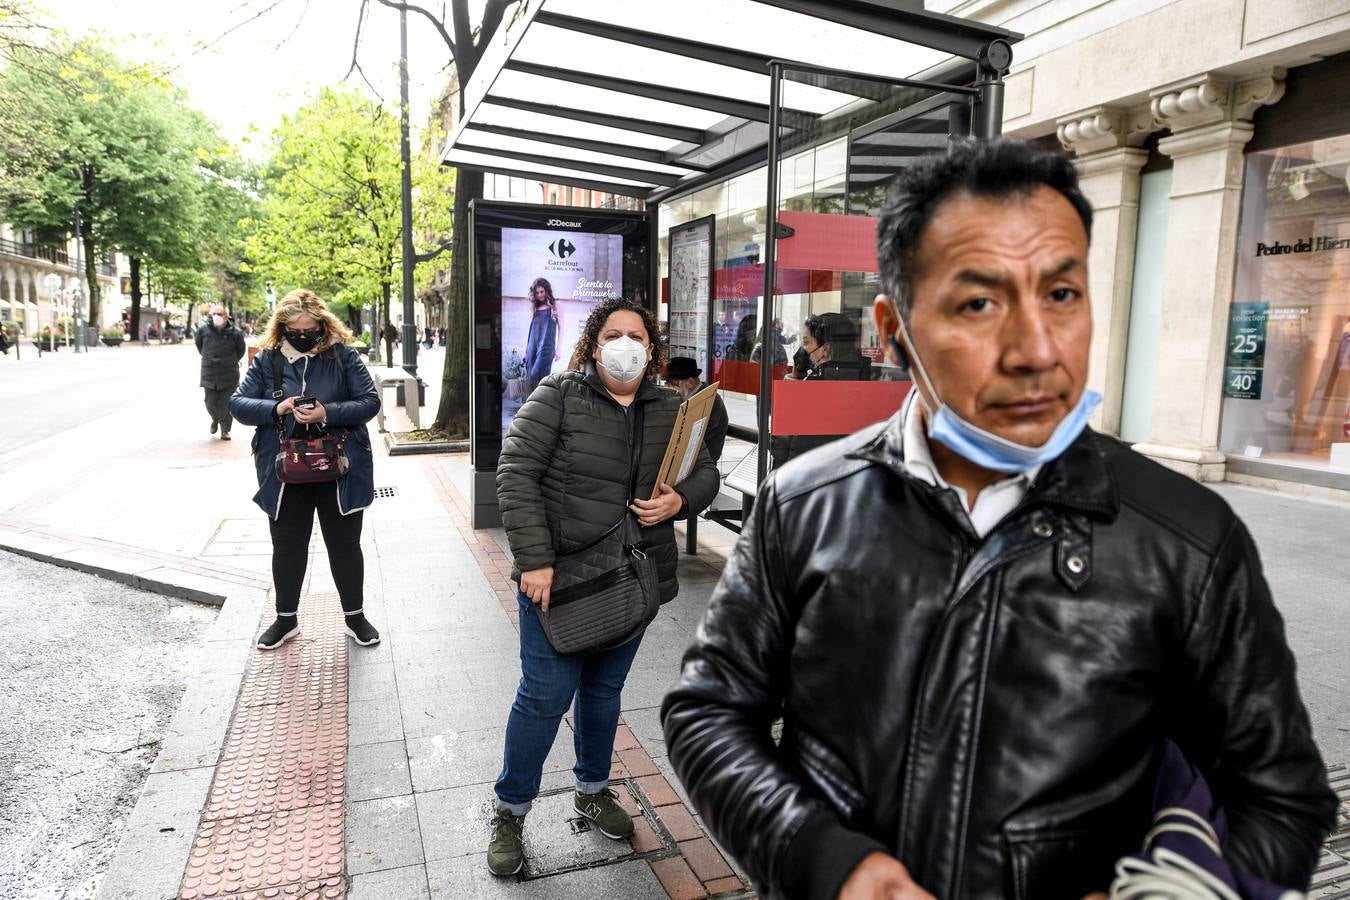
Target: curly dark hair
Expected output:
[548,295]
[590,335]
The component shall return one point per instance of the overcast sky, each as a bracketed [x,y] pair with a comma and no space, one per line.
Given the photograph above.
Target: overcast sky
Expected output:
[269,66]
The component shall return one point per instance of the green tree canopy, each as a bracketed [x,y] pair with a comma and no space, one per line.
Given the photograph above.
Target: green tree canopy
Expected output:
[330,212]
[109,140]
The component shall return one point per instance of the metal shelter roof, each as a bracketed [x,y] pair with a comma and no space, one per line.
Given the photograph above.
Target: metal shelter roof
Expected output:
[638,97]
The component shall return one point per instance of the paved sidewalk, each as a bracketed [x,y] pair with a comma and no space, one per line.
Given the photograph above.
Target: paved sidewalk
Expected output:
[325,769]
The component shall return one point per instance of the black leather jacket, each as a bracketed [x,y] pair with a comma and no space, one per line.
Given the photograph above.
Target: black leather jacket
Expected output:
[991,712]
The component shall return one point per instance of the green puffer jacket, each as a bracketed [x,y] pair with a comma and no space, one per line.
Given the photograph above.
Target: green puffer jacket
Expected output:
[562,479]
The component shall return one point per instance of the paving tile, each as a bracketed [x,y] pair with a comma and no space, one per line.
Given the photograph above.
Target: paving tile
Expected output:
[645,839]
[668,770]
[638,763]
[455,821]
[376,681]
[158,837]
[377,770]
[679,822]
[657,790]
[406,883]
[457,758]
[382,834]
[373,722]
[425,714]
[678,879]
[724,885]
[705,859]
[266,851]
[646,727]
[195,736]
[468,877]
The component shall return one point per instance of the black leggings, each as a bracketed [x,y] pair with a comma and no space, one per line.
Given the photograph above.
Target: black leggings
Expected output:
[290,545]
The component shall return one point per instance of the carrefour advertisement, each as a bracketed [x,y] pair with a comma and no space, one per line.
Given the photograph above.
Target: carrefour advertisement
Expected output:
[550,281]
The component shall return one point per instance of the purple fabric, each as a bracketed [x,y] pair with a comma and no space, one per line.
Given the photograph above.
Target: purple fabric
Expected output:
[1181,786]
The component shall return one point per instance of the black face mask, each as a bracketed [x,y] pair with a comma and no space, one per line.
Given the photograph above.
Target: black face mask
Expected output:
[304,341]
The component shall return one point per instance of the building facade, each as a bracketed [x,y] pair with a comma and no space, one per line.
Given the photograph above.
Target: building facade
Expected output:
[1213,143]
[27,298]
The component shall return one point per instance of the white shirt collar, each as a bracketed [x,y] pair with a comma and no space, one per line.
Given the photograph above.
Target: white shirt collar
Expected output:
[991,504]
[289,353]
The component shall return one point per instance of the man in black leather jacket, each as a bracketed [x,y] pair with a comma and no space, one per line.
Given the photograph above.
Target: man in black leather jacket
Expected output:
[981,620]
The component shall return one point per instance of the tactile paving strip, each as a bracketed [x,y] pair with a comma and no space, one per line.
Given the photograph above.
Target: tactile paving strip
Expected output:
[273,822]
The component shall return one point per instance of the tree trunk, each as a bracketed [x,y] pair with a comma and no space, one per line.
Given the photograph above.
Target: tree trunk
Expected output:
[354,319]
[91,277]
[452,417]
[385,290]
[135,329]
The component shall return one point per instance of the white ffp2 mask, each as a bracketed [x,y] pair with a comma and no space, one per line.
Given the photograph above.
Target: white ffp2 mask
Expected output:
[624,359]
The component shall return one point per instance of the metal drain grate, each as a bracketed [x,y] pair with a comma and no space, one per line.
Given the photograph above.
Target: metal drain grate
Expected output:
[386,492]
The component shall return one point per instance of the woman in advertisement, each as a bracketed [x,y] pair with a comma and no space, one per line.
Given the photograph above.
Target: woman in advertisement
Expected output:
[541,348]
[585,444]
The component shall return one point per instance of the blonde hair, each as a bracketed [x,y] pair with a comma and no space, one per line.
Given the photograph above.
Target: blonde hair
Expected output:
[296,304]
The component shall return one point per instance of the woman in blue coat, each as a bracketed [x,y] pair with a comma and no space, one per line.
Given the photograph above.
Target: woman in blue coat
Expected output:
[318,364]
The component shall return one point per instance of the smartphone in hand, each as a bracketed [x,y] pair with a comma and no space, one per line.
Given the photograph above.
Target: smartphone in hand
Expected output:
[306,402]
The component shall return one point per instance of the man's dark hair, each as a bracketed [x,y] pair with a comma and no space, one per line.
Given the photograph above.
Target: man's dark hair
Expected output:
[999,169]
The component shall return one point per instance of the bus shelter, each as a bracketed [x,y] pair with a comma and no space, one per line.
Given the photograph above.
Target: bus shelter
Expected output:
[761,135]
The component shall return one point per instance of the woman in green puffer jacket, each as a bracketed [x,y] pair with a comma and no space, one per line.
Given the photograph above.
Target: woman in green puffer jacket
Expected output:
[562,482]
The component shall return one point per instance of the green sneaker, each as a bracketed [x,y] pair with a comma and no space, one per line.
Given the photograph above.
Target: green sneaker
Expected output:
[604,810]
[506,850]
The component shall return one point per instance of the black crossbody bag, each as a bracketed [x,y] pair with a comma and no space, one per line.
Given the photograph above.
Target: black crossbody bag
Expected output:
[605,592]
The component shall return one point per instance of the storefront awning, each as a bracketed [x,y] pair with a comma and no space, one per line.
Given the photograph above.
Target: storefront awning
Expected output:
[636,98]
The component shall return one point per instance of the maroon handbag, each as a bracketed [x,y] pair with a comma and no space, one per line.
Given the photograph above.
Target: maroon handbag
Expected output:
[306,460]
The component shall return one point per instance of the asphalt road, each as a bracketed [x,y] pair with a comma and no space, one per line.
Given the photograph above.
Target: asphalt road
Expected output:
[43,397]
[93,672]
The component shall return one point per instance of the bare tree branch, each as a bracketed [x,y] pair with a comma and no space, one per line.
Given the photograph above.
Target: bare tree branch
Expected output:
[226,33]
[430,17]
[356,43]
[281,43]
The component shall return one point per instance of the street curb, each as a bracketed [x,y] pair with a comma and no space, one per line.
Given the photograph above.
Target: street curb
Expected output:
[156,843]
[395,447]
[153,585]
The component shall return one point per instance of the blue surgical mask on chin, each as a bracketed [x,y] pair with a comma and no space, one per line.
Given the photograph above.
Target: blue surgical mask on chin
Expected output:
[988,450]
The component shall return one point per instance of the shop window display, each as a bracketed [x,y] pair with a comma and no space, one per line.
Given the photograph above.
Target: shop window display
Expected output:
[1286,383]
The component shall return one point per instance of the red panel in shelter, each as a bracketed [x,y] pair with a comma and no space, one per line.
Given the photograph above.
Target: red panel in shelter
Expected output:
[829,241]
[833,407]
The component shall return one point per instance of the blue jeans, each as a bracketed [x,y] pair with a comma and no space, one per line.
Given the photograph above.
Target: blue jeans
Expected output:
[549,682]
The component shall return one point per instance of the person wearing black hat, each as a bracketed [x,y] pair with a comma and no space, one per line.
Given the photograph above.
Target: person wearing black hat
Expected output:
[682,374]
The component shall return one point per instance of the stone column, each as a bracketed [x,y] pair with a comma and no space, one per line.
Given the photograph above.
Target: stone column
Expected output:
[1106,141]
[1210,119]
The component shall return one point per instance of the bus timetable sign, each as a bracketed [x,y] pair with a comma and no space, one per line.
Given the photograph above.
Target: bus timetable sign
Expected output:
[1245,361]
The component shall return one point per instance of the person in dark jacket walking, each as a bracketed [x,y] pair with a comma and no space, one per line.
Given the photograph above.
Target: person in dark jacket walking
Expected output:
[221,346]
[682,375]
[325,388]
[563,481]
[982,622]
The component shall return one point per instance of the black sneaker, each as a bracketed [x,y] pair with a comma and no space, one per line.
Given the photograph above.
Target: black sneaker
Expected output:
[362,631]
[224,435]
[279,632]
[214,426]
